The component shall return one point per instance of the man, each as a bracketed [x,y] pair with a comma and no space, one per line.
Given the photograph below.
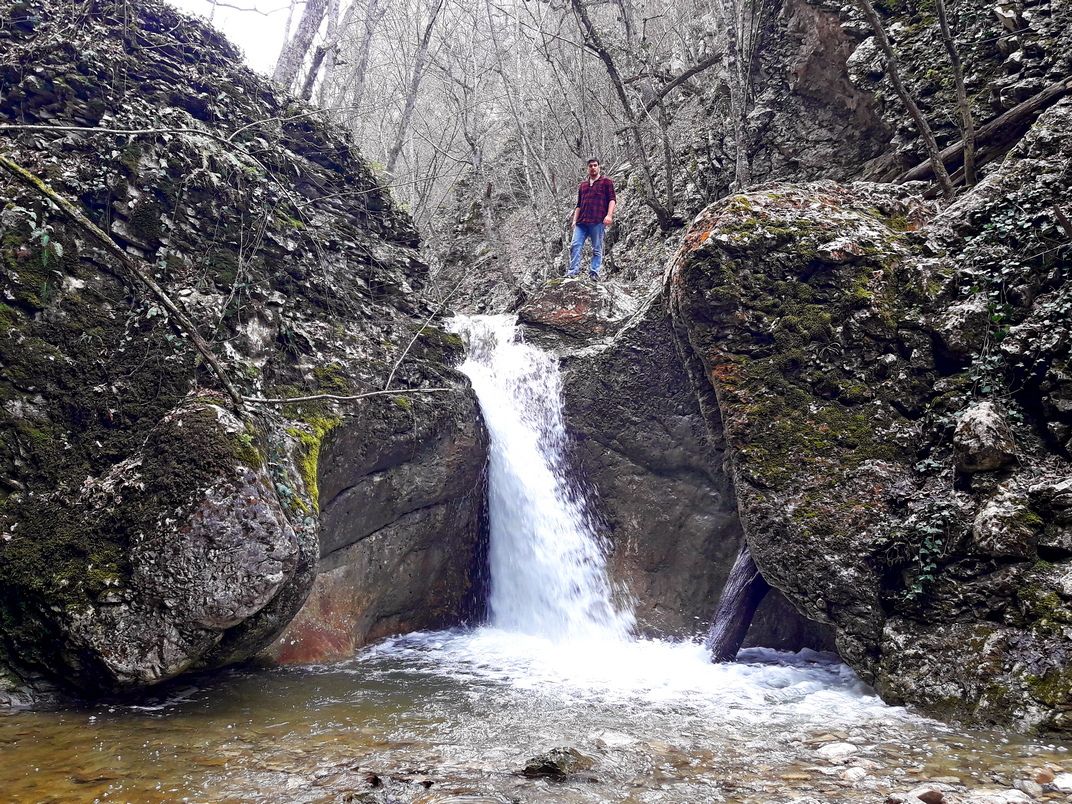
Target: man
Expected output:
[592,215]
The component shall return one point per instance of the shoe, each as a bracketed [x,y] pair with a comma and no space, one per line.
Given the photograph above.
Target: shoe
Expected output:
[594,277]
[570,276]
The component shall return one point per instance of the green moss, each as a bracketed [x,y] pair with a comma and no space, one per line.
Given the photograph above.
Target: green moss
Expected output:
[130,157]
[800,410]
[1053,688]
[27,270]
[332,378]
[245,449]
[9,317]
[1029,519]
[403,402]
[312,440]
[1043,609]
[433,336]
[223,268]
[144,220]
[288,222]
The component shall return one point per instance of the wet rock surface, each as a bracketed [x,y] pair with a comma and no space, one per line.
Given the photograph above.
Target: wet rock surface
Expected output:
[656,473]
[576,312]
[403,530]
[147,526]
[841,421]
[558,764]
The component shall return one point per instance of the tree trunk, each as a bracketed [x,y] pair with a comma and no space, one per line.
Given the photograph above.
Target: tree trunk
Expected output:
[314,67]
[411,92]
[295,50]
[595,42]
[353,95]
[902,92]
[967,124]
[332,38]
[290,21]
[741,596]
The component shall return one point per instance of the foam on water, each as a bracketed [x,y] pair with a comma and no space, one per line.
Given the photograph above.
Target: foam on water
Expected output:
[763,686]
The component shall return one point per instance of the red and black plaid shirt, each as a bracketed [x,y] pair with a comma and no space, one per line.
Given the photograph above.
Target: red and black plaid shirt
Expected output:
[593,200]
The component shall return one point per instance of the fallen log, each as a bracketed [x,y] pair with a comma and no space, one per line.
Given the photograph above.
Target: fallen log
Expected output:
[741,596]
[997,136]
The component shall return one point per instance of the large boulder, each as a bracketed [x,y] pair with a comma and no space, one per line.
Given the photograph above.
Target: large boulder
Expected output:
[818,314]
[149,523]
[402,513]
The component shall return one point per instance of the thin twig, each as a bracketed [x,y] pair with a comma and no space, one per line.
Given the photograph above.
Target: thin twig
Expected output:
[338,398]
[183,323]
[253,9]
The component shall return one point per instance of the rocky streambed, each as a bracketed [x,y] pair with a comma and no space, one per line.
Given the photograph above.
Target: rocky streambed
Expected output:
[456,716]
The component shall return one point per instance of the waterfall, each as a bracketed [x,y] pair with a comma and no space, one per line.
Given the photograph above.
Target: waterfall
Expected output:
[547,561]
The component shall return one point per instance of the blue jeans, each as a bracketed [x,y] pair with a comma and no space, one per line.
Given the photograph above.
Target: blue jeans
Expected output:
[582,232]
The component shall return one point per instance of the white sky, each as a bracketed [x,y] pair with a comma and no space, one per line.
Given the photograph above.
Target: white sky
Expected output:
[259,35]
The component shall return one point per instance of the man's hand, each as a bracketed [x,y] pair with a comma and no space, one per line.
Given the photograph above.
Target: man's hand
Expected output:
[607,221]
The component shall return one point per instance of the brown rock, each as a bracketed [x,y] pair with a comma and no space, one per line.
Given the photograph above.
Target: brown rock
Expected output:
[931,796]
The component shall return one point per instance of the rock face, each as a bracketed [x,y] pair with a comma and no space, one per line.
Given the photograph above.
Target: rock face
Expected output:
[574,312]
[147,524]
[982,440]
[871,452]
[401,550]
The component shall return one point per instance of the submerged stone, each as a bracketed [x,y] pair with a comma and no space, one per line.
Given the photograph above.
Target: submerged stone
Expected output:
[557,764]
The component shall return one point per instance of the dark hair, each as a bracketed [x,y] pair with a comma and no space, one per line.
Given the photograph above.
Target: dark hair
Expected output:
[590,161]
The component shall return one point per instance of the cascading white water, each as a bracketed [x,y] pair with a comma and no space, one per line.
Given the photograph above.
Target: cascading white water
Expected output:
[546,558]
[555,631]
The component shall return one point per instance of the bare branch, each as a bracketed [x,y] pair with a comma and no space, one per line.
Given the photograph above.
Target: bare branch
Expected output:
[253,9]
[255,400]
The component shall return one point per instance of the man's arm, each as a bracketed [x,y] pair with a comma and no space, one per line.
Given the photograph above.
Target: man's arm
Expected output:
[610,212]
[576,209]
[612,203]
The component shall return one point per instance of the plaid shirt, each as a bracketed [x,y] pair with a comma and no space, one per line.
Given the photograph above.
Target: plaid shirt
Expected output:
[593,200]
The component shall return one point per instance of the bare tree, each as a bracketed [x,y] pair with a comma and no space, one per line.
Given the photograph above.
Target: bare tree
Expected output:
[639,151]
[354,94]
[967,124]
[894,71]
[414,84]
[295,50]
[740,28]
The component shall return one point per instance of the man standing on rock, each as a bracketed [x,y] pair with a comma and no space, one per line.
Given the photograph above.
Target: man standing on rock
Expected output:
[591,217]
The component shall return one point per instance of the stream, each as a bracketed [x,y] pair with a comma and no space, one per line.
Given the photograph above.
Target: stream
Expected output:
[453,716]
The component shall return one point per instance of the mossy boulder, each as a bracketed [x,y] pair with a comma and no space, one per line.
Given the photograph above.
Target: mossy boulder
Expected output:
[822,325]
[148,525]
